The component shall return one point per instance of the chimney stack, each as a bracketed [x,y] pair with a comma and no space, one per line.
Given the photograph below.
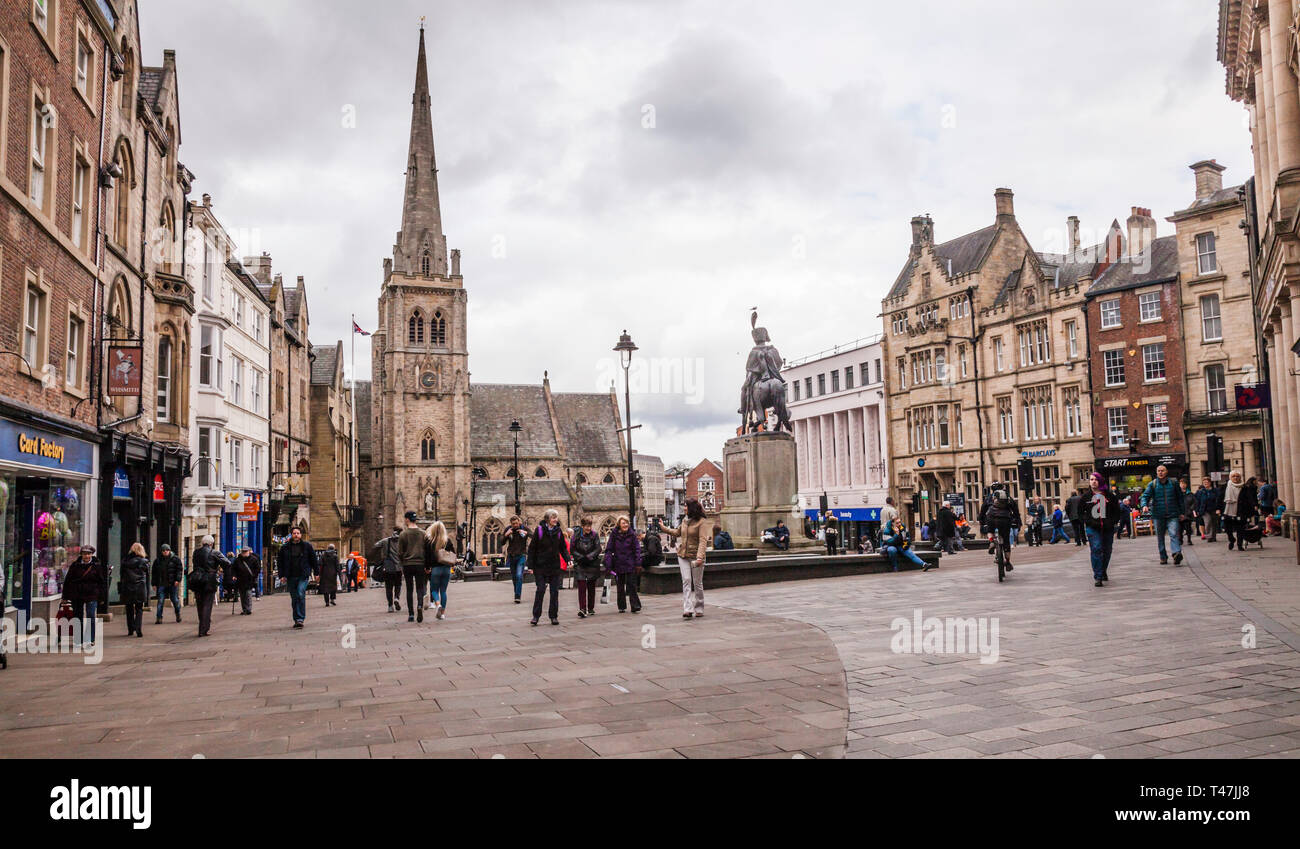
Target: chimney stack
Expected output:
[207,199]
[1006,208]
[1209,177]
[1072,233]
[1141,231]
[259,267]
[922,232]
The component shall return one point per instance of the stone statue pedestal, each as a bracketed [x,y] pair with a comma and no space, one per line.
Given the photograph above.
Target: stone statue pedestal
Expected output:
[761,486]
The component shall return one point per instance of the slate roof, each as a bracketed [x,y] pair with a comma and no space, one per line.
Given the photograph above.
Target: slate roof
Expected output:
[1157,264]
[491,408]
[150,84]
[361,404]
[962,254]
[1066,269]
[325,360]
[1008,288]
[1228,195]
[603,496]
[544,491]
[589,423]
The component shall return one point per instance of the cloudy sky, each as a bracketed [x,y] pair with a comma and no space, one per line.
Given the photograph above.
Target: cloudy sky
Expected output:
[664,166]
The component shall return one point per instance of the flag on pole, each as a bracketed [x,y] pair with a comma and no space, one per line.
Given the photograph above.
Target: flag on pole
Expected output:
[356,328]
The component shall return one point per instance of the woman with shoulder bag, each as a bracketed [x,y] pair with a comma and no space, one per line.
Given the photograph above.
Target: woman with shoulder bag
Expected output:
[440,553]
[133,587]
[692,543]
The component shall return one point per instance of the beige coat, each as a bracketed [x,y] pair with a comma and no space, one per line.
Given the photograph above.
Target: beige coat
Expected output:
[694,539]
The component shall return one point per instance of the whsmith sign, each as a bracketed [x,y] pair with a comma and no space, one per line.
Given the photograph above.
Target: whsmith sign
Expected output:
[30,446]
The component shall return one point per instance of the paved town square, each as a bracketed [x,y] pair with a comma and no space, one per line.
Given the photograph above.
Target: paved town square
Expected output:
[1153,665]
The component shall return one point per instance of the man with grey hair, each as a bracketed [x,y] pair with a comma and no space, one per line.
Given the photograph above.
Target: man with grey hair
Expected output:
[206,563]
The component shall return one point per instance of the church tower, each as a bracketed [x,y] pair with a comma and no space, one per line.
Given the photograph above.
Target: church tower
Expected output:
[420,370]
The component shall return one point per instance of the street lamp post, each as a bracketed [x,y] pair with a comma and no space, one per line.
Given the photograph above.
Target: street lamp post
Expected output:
[436,515]
[514,430]
[625,347]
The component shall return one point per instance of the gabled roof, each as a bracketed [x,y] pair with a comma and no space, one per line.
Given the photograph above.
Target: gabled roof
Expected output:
[150,85]
[603,496]
[532,491]
[1008,288]
[1222,196]
[589,423]
[492,406]
[324,364]
[959,256]
[1157,264]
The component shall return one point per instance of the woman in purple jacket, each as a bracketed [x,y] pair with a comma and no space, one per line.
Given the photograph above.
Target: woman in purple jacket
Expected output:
[623,560]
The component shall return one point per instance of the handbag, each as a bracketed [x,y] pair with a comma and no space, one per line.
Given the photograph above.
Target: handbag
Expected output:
[445,557]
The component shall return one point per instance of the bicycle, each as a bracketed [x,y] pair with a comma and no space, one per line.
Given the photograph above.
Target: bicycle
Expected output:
[999,554]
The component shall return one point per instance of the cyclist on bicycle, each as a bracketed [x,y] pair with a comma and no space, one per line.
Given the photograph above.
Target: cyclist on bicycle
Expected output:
[998,515]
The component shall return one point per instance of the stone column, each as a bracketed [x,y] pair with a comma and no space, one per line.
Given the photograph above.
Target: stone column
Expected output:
[1249,462]
[1288,384]
[1264,98]
[1281,419]
[1286,105]
[1263,149]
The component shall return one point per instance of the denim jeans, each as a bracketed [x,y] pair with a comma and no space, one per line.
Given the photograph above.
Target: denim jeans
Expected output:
[438,580]
[1058,532]
[169,592]
[1099,548]
[894,553]
[1168,526]
[85,611]
[298,598]
[517,564]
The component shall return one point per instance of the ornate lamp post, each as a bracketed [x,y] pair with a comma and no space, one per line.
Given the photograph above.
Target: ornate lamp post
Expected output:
[515,427]
[625,347]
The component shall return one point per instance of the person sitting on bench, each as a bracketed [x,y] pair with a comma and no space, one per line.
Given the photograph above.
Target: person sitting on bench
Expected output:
[780,535]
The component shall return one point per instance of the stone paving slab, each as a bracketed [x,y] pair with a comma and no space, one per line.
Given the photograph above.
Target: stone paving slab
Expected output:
[481,683]
[1153,665]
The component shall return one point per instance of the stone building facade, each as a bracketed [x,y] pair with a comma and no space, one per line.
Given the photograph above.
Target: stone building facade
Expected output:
[430,428]
[1258,43]
[985,362]
[1220,347]
[335,514]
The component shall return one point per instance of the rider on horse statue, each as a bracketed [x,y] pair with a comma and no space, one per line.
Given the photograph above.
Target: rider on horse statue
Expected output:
[764,387]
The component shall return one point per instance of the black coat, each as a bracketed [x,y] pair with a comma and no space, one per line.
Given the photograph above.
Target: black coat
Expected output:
[947,522]
[133,585]
[245,570]
[586,556]
[83,581]
[547,550]
[167,570]
[295,562]
[329,572]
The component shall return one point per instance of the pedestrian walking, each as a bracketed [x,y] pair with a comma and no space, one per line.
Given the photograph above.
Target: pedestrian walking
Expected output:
[946,523]
[1240,506]
[692,540]
[1101,516]
[133,588]
[410,551]
[206,565]
[623,560]
[352,569]
[1186,526]
[1036,519]
[167,573]
[82,585]
[244,571]
[295,563]
[327,585]
[586,549]
[440,556]
[514,542]
[390,569]
[1208,508]
[1058,525]
[548,555]
[1165,501]
[1074,507]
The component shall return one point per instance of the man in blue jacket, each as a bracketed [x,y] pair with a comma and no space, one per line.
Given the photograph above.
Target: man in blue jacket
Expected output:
[1164,499]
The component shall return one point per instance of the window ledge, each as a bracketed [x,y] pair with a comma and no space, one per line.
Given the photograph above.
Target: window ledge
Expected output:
[1155,382]
[75,391]
[1213,277]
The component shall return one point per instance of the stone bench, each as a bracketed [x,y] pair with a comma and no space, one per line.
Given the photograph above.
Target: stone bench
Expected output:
[666,579]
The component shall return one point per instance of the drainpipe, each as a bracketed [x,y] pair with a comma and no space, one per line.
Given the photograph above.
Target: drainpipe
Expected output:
[976,353]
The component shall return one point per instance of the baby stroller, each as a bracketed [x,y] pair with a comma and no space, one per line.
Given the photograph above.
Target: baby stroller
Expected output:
[1252,533]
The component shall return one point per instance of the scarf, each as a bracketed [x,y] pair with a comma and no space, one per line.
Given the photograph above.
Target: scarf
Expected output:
[1230,496]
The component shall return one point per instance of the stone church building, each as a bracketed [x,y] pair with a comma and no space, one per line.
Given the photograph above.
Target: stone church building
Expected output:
[430,427]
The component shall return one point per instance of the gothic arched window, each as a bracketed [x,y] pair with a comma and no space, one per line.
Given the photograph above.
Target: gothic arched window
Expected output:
[540,472]
[415,329]
[607,526]
[581,478]
[512,472]
[608,478]
[122,196]
[438,329]
[427,449]
[425,262]
[492,537]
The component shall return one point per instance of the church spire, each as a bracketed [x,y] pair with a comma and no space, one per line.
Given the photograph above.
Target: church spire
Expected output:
[421,232]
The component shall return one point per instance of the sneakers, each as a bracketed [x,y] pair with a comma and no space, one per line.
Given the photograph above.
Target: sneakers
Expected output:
[390,607]
[517,601]
[1164,561]
[591,612]
[1099,584]
[687,615]
[582,614]
[296,625]
[442,612]
[397,605]
[555,622]
[530,621]
[1178,558]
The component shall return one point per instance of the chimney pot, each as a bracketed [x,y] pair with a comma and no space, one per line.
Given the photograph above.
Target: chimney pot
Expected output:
[1141,230]
[1072,233]
[1005,206]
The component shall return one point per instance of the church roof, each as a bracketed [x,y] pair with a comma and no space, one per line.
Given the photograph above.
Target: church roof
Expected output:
[534,491]
[589,424]
[492,406]
[603,496]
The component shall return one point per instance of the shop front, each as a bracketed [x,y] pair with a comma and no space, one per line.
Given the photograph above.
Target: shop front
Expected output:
[46,495]
[140,501]
[856,524]
[1132,473]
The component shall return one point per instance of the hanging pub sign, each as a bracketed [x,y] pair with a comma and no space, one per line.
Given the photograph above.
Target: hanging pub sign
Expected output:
[159,491]
[1253,396]
[121,484]
[125,368]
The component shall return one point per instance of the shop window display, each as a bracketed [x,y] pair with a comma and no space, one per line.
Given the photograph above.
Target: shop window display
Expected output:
[42,519]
